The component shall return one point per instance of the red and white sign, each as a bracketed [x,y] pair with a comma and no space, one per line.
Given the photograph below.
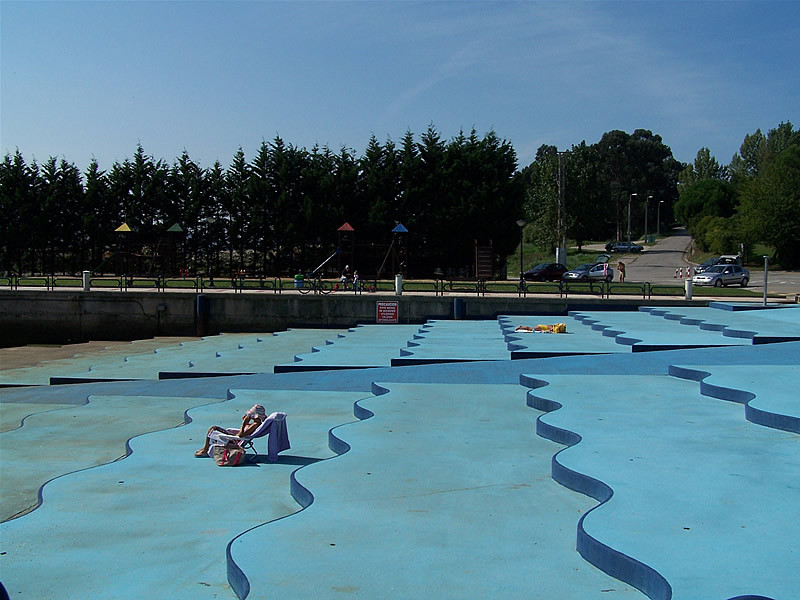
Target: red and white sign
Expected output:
[387,311]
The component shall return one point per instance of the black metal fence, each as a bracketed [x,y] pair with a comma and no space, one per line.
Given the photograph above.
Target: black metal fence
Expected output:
[278,285]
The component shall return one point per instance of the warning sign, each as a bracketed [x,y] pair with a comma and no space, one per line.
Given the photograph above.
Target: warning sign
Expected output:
[387,311]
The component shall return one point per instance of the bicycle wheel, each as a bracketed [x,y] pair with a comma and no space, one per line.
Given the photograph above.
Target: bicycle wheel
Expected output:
[324,287]
[306,287]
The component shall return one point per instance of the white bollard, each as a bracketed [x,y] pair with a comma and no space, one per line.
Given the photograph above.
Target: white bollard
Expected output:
[87,280]
[398,285]
[688,289]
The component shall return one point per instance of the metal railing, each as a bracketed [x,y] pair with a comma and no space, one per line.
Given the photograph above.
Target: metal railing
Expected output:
[278,285]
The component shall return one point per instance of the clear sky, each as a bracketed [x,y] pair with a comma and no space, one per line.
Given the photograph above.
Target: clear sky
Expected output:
[94,79]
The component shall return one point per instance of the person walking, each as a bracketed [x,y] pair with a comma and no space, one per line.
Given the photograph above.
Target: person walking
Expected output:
[621,269]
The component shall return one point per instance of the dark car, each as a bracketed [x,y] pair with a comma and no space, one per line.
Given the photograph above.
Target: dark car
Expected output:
[623,247]
[545,272]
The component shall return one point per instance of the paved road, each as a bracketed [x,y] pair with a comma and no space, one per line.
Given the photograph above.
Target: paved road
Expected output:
[657,264]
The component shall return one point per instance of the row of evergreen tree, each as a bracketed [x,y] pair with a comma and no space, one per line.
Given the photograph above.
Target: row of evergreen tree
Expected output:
[276,213]
[279,212]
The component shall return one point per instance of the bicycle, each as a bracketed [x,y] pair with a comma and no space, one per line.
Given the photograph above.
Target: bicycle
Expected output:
[316,285]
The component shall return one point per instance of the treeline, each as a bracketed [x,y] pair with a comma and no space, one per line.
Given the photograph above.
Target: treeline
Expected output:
[755,198]
[278,212]
[599,181]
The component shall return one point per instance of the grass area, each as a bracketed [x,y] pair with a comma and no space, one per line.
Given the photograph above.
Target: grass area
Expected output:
[754,260]
[532,256]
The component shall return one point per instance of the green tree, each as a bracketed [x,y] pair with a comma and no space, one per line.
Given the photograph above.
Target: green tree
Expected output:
[18,211]
[540,206]
[242,233]
[97,214]
[706,197]
[770,207]
[583,195]
[705,167]
[638,163]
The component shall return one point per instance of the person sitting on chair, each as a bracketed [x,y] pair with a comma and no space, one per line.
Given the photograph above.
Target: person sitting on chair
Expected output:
[251,420]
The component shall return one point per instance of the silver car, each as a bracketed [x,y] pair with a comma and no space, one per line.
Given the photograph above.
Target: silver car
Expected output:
[720,275]
[590,272]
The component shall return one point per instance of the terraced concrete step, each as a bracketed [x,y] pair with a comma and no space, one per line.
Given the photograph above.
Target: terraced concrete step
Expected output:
[645,332]
[57,440]
[577,340]
[158,522]
[697,502]
[148,366]
[769,392]
[365,346]
[444,493]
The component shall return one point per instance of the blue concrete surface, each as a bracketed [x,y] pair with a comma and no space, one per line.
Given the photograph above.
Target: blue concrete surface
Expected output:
[684,512]
[645,333]
[760,326]
[577,340]
[431,511]
[56,440]
[158,522]
[454,341]
[458,440]
[173,358]
[259,358]
[41,373]
[769,392]
[365,346]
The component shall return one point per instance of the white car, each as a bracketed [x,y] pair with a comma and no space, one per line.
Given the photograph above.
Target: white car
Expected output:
[590,272]
[720,275]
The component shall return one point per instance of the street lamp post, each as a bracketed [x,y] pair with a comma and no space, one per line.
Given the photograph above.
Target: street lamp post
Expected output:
[646,206]
[209,267]
[658,225]
[520,223]
[630,198]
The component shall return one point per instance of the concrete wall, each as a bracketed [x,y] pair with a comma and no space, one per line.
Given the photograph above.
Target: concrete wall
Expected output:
[73,316]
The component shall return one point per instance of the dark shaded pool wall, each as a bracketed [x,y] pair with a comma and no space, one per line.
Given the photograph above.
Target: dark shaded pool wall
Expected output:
[57,317]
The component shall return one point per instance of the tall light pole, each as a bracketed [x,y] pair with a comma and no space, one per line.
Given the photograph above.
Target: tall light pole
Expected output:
[646,205]
[630,198]
[658,225]
[520,224]
[561,243]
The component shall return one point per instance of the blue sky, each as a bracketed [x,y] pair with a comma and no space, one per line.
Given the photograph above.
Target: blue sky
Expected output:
[94,79]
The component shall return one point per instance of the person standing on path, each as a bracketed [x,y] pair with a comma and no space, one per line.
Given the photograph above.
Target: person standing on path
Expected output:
[621,269]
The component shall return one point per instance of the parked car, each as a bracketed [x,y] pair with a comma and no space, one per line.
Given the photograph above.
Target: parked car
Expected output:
[590,272]
[602,258]
[623,247]
[719,275]
[545,272]
[725,259]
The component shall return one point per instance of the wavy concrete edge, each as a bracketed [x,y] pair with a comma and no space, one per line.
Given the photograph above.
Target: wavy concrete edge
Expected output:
[612,562]
[128,451]
[755,415]
[237,578]
[41,412]
[39,494]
